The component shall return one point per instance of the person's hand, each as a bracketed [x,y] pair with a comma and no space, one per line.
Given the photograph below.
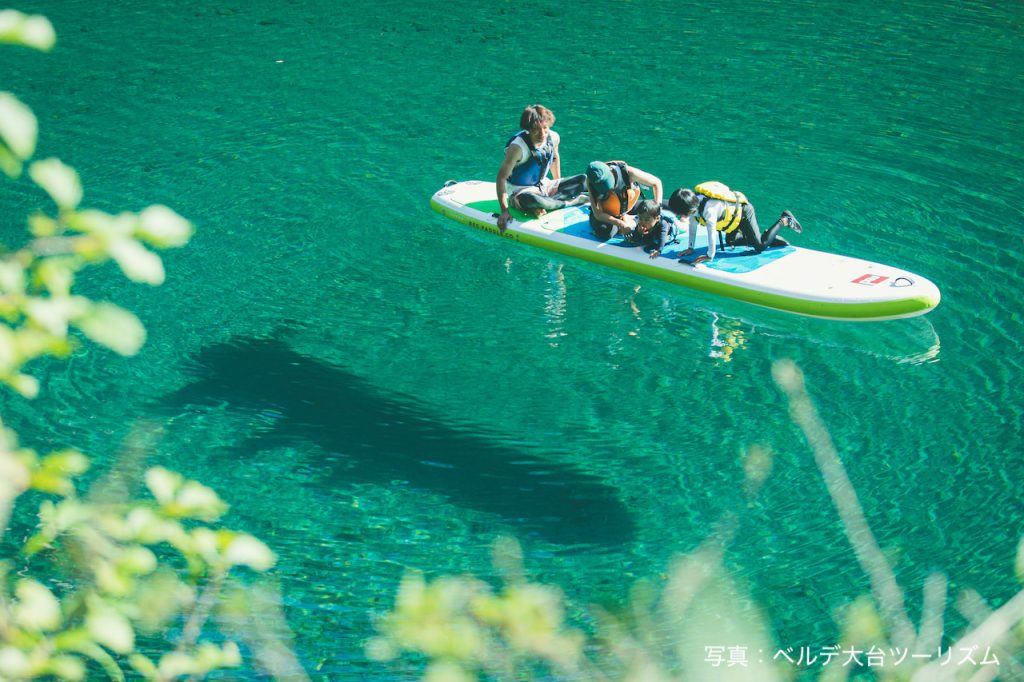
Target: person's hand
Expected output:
[686,253]
[503,220]
[655,253]
[628,223]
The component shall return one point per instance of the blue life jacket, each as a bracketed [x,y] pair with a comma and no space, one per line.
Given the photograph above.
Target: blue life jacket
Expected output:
[535,168]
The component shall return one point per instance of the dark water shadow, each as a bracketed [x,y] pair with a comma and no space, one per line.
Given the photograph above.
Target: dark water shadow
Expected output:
[378,437]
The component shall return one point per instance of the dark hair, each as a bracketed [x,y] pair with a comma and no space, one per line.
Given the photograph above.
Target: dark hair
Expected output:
[683,202]
[534,114]
[649,207]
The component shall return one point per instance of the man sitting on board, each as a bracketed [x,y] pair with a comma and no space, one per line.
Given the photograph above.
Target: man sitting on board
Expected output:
[523,181]
[720,209]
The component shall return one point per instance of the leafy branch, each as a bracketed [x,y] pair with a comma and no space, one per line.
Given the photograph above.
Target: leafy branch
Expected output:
[116,568]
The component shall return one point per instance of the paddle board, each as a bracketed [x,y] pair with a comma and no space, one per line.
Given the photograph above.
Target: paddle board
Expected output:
[788,278]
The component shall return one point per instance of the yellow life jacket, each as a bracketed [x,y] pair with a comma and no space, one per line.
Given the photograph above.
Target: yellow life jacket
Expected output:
[621,201]
[733,212]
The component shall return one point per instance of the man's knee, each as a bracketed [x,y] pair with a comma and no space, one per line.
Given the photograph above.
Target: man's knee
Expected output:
[524,200]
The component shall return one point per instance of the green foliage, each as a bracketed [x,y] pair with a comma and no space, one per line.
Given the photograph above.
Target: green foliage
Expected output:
[462,625]
[116,569]
[468,631]
[31,31]
[125,566]
[117,558]
[37,305]
[666,633]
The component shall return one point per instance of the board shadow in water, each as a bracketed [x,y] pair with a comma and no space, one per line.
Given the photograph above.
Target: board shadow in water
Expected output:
[380,437]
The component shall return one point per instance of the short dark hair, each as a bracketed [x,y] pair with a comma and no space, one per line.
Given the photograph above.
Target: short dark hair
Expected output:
[649,207]
[534,114]
[683,201]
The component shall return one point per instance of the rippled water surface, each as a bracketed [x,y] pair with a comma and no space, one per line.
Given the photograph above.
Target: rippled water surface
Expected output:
[374,388]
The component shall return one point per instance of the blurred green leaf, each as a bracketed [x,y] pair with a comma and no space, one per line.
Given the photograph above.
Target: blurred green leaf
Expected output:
[144,666]
[34,31]
[112,326]
[57,518]
[27,386]
[69,462]
[57,275]
[14,664]
[60,181]
[163,228]
[245,550]
[53,313]
[18,127]
[160,598]
[36,607]
[38,542]
[206,543]
[8,351]
[163,484]
[175,665]
[447,671]
[52,483]
[432,619]
[110,581]
[862,624]
[70,668]
[137,560]
[9,163]
[109,627]
[71,640]
[182,540]
[92,221]
[146,526]
[12,277]
[14,478]
[197,501]
[42,225]
[137,262]
[382,649]
[30,343]
[210,657]
[98,654]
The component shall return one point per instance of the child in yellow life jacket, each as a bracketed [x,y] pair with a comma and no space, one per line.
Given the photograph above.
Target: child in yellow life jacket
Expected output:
[614,189]
[720,209]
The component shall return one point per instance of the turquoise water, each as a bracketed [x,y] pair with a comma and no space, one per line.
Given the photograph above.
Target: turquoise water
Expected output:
[374,388]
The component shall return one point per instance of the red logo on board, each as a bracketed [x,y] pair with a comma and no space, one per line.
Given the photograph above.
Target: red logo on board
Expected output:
[870,279]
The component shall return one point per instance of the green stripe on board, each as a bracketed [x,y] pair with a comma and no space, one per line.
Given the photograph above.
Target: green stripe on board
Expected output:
[851,311]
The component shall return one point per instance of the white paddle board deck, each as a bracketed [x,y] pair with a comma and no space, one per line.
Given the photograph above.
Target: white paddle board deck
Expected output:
[789,278]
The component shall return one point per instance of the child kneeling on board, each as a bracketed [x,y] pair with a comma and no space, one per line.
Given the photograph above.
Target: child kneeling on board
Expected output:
[720,209]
